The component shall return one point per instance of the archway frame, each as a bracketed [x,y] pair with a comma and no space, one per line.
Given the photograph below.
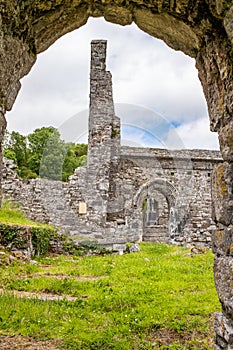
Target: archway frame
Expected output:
[202,29]
[161,185]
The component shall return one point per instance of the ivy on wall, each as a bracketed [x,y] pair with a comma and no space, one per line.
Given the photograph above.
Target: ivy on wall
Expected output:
[40,240]
[35,239]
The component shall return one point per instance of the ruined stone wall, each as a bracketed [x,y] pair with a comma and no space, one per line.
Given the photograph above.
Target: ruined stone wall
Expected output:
[53,202]
[103,129]
[58,203]
[188,175]
[202,29]
[118,180]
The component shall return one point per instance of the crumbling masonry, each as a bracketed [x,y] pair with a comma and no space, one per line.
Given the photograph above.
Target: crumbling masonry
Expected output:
[124,194]
[201,29]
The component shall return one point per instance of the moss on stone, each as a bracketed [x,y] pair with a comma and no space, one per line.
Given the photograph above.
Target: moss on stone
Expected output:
[229,138]
[220,179]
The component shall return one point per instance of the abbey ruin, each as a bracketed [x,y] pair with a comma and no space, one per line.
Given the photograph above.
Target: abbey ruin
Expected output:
[125,194]
[203,30]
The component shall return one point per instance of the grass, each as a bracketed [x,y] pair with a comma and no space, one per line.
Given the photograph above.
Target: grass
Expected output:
[10,213]
[159,298]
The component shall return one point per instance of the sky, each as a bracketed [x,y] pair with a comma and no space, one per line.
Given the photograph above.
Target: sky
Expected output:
[156,90]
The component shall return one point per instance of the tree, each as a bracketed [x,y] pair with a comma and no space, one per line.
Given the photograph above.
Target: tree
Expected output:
[19,146]
[36,144]
[46,152]
[70,162]
[43,153]
[80,149]
[76,156]
[15,148]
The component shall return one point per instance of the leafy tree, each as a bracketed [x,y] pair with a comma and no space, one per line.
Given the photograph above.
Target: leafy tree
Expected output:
[53,159]
[43,153]
[19,146]
[27,173]
[15,148]
[70,162]
[37,142]
[80,149]
[75,157]
[48,152]
[10,154]
[82,160]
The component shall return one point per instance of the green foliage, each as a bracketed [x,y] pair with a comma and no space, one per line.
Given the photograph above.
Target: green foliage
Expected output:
[10,154]
[82,160]
[10,213]
[17,236]
[76,156]
[15,230]
[43,153]
[47,153]
[14,236]
[15,148]
[39,138]
[71,162]
[40,239]
[26,173]
[158,298]
[80,149]
[115,133]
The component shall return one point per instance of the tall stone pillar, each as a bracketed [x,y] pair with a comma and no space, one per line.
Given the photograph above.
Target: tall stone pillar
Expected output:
[223,239]
[215,71]
[104,135]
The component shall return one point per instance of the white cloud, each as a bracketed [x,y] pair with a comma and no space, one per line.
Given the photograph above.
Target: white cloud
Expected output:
[196,134]
[145,72]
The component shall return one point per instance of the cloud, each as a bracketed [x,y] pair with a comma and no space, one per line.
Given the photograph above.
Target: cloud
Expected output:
[145,72]
[135,136]
[196,134]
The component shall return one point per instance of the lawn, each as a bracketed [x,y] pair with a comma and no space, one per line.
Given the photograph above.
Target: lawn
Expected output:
[11,214]
[158,298]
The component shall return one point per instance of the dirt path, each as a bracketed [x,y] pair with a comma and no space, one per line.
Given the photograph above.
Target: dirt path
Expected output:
[64,276]
[41,296]
[25,343]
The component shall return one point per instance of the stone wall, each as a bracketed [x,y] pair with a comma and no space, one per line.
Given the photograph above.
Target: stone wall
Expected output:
[184,180]
[184,217]
[124,193]
[202,29]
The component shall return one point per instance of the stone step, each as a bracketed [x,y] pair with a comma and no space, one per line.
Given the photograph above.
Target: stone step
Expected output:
[159,234]
[155,239]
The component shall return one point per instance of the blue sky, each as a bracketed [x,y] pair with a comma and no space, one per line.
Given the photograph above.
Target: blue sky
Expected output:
[156,89]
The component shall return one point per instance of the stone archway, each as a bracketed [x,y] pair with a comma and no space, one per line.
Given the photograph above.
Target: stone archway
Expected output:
[162,185]
[202,29]
[162,220]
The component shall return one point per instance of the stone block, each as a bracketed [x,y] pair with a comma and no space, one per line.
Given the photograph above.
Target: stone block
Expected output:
[221,342]
[119,247]
[222,194]
[224,331]
[223,273]
[226,141]
[134,248]
[223,241]
[82,208]
[216,347]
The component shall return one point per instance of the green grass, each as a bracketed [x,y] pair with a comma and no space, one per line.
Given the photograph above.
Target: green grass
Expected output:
[11,214]
[134,301]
